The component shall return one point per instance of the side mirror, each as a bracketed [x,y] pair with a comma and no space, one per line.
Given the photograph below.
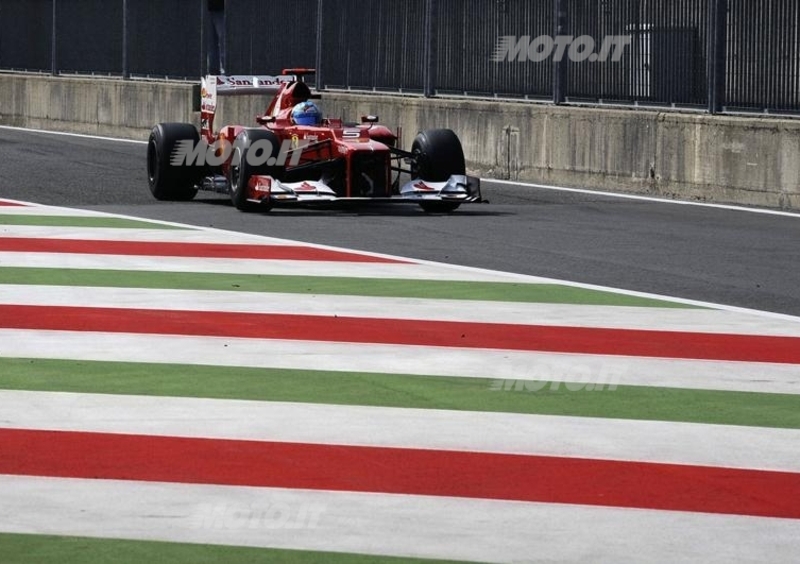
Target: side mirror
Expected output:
[369,119]
[263,120]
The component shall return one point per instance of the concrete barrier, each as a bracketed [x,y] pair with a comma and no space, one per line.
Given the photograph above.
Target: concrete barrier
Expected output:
[117,108]
[744,160]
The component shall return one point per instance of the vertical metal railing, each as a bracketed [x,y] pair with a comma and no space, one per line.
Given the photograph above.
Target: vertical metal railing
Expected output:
[717,59]
[560,28]
[54,41]
[430,48]
[763,56]
[125,37]
[717,55]
[319,46]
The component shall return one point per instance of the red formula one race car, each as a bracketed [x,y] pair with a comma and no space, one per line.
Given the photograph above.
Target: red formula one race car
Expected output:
[295,157]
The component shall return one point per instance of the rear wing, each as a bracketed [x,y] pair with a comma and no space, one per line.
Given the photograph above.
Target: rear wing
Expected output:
[213,86]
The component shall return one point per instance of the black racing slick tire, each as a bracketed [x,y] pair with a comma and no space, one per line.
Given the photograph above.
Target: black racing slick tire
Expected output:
[437,156]
[242,167]
[168,181]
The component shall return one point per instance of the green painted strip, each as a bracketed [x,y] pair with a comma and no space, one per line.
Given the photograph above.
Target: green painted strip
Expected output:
[369,287]
[81,221]
[388,390]
[35,549]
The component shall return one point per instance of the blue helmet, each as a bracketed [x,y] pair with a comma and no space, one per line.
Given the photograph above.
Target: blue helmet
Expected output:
[306,113]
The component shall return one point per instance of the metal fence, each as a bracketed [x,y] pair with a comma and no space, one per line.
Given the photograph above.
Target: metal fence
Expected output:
[721,55]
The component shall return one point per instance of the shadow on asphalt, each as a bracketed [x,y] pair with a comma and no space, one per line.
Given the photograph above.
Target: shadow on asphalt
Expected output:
[376,209]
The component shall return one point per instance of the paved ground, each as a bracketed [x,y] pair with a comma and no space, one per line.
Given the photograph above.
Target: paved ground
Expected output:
[723,256]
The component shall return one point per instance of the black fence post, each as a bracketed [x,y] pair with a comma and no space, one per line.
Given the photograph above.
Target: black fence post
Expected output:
[718,51]
[203,40]
[430,49]
[320,84]
[560,26]
[125,71]
[53,39]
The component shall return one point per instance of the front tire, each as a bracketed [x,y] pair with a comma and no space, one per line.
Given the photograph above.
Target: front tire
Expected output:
[439,207]
[438,155]
[167,181]
[241,169]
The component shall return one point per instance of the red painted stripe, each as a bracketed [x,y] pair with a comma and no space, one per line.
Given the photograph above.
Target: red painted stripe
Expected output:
[10,204]
[199,250]
[400,471]
[627,342]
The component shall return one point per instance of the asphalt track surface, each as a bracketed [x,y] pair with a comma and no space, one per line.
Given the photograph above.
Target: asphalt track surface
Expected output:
[724,256]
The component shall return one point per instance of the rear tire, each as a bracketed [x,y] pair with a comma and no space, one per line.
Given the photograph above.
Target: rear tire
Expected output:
[241,170]
[168,182]
[438,155]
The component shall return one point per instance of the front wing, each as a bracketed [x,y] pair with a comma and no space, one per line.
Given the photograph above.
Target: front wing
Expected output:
[272,192]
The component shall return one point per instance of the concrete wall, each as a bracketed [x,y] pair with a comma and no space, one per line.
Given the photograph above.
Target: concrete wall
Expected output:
[89,105]
[751,160]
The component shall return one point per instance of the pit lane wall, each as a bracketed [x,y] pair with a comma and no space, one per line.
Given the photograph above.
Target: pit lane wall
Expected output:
[743,160]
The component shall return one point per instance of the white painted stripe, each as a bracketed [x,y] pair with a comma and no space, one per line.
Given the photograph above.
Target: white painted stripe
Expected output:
[414,270]
[33,209]
[479,274]
[247,266]
[422,270]
[520,366]
[660,319]
[203,234]
[643,198]
[544,280]
[580,437]
[400,525]
[138,235]
[70,134]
